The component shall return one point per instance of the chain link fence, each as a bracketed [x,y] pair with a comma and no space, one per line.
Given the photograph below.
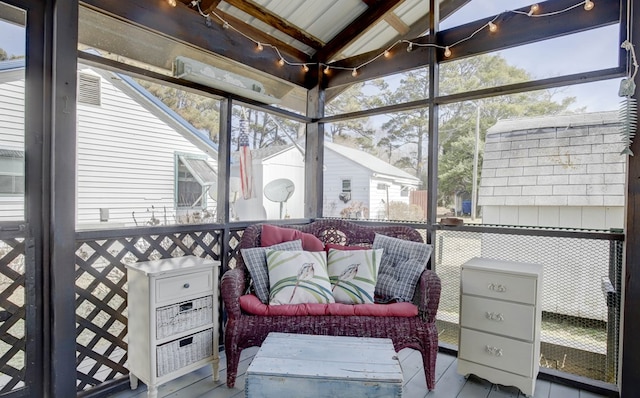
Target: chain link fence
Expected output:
[581,292]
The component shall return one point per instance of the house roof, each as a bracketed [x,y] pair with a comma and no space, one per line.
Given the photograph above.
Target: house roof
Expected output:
[11,70]
[564,160]
[378,167]
[568,120]
[170,116]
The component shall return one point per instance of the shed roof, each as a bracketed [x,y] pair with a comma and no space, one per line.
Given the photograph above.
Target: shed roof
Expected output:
[564,160]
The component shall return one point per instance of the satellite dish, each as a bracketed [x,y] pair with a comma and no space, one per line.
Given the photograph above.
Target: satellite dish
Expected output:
[279,191]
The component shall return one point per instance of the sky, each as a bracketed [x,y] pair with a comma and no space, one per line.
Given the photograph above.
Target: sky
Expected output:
[567,52]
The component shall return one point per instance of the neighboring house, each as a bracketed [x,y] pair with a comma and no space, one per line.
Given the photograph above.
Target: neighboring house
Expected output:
[563,172]
[353,176]
[554,171]
[138,162]
[353,179]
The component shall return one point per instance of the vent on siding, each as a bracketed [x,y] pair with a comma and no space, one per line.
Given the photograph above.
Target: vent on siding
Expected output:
[88,89]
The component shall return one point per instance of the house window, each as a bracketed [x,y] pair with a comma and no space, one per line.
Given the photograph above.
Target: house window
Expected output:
[404,191]
[88,89]
[346,185]
[195,181]
[345,195]
[11,172]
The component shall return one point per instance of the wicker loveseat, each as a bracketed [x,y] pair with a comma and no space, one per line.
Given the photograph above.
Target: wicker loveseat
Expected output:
[244,330]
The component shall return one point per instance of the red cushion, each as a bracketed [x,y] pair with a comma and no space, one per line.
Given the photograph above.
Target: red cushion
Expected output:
[342,247]
[252,304]
[272,235]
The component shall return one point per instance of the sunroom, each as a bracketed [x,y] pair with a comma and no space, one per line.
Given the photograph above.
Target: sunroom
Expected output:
[156,129]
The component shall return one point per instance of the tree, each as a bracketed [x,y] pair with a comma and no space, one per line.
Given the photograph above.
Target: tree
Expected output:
[357,133]
[200,111]
[406,133]
[3,55]
[457,122]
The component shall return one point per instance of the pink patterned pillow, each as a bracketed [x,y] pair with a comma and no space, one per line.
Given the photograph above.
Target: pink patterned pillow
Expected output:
[271,235]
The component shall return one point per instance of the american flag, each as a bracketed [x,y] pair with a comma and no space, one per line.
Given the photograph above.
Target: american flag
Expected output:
[246,176]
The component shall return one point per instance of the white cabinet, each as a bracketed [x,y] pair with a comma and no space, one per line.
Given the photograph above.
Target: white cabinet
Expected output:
[172,319]
[500,314]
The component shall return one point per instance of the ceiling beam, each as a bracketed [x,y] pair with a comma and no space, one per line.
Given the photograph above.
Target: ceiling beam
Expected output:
[376,11]
[271,19]
[396,23]
[208,5]
[261,36]
[183,25]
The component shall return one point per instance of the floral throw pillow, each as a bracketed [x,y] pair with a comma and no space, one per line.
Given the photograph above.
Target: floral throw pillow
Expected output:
[255,260]
[402,264]
[298,277]
[353,274]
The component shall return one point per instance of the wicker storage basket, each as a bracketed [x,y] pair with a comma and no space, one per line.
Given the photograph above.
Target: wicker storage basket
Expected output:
[182,352]
[180,317]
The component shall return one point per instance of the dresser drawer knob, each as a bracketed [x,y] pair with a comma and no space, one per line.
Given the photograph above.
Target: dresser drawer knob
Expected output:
[497,288]
[495,351]
[493,316]
[186,285]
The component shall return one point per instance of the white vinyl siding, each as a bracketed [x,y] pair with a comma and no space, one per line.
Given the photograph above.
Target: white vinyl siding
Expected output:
[12,136]
[338,168]
[125,162]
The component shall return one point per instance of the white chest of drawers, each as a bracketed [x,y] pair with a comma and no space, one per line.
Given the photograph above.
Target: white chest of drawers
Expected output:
[500,315]
[172,319]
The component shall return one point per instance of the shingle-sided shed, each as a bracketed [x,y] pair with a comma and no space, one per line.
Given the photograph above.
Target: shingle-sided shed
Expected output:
[554,171]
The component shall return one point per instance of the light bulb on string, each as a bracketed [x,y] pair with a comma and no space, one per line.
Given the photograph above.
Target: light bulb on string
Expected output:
[387,53]
[305,68]
[447,52]
[492,27]
[326,70]
[259,47]
[534,9]
[588,5]
[410,47]
[281,62]
[172,3]
[355,72]
[226,25]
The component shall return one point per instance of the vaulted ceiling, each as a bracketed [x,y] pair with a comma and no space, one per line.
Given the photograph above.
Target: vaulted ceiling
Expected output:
[342,33]
[299,31]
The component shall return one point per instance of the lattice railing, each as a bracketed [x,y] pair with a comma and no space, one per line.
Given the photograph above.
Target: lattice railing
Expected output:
[101,293]
[12,314]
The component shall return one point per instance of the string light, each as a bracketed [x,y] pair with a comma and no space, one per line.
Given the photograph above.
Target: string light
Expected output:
[172,3]
[490,25]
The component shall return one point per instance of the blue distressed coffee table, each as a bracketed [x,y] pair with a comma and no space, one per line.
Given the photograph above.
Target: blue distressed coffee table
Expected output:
[306,366]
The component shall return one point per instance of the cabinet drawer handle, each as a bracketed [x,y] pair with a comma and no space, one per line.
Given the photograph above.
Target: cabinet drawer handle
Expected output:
[497,288]
[495,351]
[495,316]
[186,285]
